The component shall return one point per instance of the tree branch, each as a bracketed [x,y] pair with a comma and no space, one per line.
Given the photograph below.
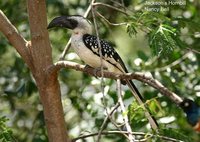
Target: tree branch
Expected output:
[124,115]
[109,6]
[106,120]
[193,50]
[176,62]
[128,76]
[13,36]
[37,55]
[48,85]
[112,24]
[125,132]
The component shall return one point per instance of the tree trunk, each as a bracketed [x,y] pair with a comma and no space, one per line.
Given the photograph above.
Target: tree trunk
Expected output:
[48,86]
[37,55]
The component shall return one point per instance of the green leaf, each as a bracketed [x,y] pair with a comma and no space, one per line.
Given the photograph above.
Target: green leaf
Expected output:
[162,40]
[136,116]
[131,29]
[5,132]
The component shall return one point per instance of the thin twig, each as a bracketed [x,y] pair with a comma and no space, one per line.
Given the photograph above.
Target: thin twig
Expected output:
[66,49]
[193,50]
[118,126]
[109,6]
[124,113]
[173,63]
[113,24]
[125,132]
[99,45]
[17,40]
[106,120]
[101,60]
[126,9]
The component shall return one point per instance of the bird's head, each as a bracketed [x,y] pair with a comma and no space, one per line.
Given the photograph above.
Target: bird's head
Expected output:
[188,105]
[192,111]
[77,23]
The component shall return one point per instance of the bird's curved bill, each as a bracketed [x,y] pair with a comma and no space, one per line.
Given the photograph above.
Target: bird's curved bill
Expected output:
[63,22]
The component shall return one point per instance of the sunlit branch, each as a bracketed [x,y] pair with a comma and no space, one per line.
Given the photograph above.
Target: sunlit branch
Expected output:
[138,76]
[124,114]
[13,36]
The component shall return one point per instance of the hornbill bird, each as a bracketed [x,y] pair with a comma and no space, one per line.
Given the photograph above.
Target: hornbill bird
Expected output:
[87,48]
[192,111]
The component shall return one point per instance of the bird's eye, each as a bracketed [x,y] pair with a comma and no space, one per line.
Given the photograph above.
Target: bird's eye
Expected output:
[186,104]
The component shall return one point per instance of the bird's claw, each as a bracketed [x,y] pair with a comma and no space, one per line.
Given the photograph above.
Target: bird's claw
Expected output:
[96,70]
[88,67]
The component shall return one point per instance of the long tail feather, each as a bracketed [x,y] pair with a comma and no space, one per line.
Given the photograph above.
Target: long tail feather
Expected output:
[140,99]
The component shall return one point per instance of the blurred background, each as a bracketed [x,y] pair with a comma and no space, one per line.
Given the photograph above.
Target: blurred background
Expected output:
[172,58]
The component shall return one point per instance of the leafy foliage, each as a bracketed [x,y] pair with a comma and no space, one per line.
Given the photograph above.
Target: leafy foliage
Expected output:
[168,37]
[131,30]
[6,134]
[162,40]
[163,35]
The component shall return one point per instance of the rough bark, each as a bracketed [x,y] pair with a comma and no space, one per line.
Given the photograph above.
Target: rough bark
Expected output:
[48,86]
[37,55]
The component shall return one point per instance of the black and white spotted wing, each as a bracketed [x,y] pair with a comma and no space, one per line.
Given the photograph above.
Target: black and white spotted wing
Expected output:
[108,52]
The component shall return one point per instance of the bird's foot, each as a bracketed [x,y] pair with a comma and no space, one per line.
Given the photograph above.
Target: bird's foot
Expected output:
[88,67]
[96,70]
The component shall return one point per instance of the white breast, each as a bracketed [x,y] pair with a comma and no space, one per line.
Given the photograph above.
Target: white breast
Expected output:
[88,56]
